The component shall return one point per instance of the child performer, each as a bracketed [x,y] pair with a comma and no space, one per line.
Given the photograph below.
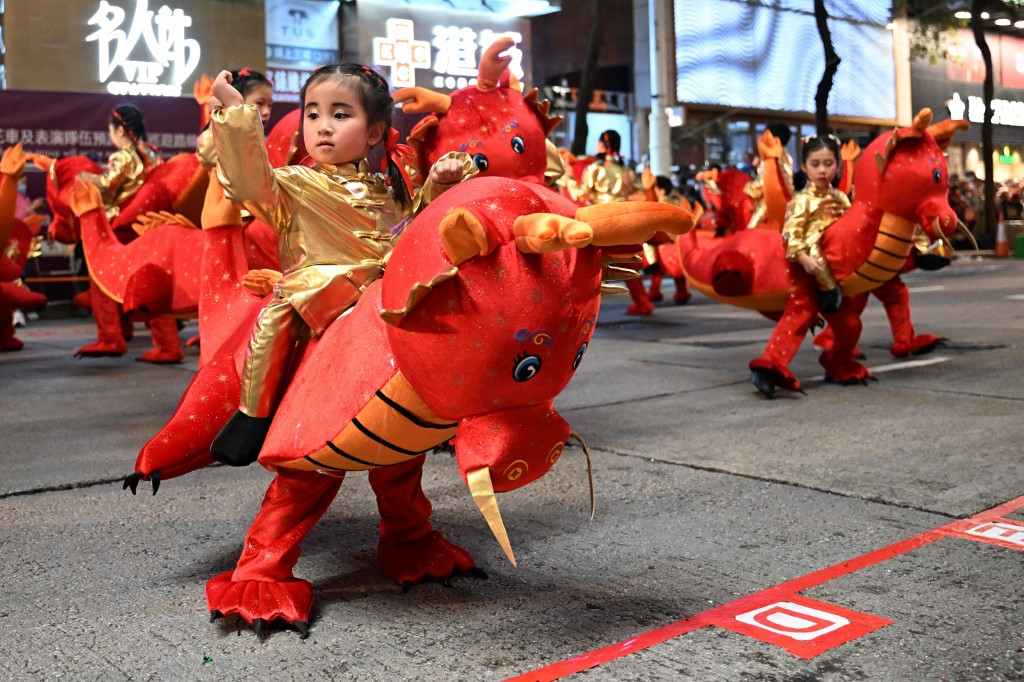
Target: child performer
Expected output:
[256,90]
[333,222]
[607,179]
[810,213]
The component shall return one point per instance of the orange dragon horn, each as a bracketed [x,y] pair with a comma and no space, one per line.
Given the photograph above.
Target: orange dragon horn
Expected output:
[492,66]
[943,131]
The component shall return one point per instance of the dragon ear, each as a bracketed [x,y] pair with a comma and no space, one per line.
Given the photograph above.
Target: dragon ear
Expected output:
[463,236]
[422,101]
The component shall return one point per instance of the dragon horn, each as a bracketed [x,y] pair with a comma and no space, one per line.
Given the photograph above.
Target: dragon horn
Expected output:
[634,222]
[482,490]
[943,131]
[492,66]
[922,120]
[418,100]
[549,232]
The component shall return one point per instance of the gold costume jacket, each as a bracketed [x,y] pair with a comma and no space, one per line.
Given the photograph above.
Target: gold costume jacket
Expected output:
[125,172]
[807,217]
[333,222]
[607,181]
[755,188]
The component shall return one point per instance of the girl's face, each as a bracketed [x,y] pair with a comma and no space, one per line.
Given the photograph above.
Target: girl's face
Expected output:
[261,97]
[335,127]
[118,136]
[821,167]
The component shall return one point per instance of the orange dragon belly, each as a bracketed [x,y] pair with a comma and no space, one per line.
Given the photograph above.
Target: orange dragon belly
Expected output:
[893,242]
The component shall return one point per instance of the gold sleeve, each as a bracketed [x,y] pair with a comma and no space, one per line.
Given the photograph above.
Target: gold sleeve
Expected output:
[794,228]
[628,182]
[243,168]
[204,148]
[119,168]
[593,176]
[842,199]
[432,190]
[556,169]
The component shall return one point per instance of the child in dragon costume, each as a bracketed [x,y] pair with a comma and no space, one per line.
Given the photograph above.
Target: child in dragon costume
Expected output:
[16,239]
[495,271]
[811,212]
[334,223]
[901,183]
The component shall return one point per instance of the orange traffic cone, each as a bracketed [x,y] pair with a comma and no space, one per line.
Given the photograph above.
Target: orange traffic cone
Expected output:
[1002,244]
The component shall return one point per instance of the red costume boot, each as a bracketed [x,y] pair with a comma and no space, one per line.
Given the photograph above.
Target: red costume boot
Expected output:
[110,336]
[8,342]
[166,348]
[641,305]
[654,293]
[682,295]
[895,296]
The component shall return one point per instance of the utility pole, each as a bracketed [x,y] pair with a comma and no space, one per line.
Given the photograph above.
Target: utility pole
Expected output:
[659,19]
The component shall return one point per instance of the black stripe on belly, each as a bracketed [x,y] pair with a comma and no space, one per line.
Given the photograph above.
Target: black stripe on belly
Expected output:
[896,237]
[408,414]
[391,446]
[890,253]
[880,267]
[339,451]
[872,279]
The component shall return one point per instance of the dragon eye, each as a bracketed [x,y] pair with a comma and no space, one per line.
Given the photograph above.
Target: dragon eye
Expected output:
[526,368]
[481,162]
[579,355]
[518,146]
[937,176]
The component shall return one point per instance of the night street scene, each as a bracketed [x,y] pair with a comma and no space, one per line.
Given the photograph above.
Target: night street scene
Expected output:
[512,340]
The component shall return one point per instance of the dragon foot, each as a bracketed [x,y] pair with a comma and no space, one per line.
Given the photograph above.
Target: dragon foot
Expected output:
[846,372]
[259,603]
[681,297]
[430,558]
[159,356]
[767,376]
[11,344]
[641,309]
[921,344]
[101,349]
[131,481]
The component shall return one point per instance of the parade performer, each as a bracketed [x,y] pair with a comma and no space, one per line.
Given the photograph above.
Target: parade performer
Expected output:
[901,182]
[660,254]
[16,244]
[812,210]
[334,223]
[755,189]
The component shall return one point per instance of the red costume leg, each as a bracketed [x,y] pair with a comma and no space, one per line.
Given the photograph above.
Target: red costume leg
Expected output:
[682,295]
[895,296]
[262,587]
[773,365]
[641,304]
[166,348]
[410,550]
[8,342]
[110,336]
[840,363]
[654,292]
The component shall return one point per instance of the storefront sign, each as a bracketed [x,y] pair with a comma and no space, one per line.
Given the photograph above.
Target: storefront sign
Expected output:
[301,36]
[160,35]
[452,53]
[1004,112]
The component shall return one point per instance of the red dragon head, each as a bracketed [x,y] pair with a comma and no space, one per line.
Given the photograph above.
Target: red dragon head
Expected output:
[905,173]
[491,313]
[502,129]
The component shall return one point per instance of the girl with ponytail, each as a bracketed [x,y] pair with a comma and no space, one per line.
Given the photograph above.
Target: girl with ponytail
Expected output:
[334,216]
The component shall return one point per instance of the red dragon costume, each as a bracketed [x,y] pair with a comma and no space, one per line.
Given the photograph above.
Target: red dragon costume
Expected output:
[503,274]
[16,239]
[902,181]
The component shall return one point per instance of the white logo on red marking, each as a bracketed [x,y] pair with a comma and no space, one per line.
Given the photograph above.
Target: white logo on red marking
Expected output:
[792,620]
[1001,530]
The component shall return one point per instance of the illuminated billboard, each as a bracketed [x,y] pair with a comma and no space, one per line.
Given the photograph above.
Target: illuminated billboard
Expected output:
[768,56]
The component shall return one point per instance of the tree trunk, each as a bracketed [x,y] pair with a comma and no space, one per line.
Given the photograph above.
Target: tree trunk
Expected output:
[986,127]
[831,67]
[586,90]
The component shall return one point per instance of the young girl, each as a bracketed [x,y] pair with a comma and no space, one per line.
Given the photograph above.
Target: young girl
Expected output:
[607,179]
[333,221]
[128,165]
[809,214]
[256,90]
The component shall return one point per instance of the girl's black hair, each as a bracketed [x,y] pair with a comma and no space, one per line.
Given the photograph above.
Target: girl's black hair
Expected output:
[612,141]
[376,99]
[246,80]
[128,117]
[813,144]
[781,131]
[664,184]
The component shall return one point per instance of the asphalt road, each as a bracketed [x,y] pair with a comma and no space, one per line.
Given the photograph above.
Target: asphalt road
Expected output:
[717,511]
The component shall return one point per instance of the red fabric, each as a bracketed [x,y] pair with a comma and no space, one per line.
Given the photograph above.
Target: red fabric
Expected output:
[166,342]
[840,362]
[641,303]
[109,335]
[8,342]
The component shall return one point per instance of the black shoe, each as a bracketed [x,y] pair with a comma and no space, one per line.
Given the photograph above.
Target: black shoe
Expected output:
[239,443]
[828,301]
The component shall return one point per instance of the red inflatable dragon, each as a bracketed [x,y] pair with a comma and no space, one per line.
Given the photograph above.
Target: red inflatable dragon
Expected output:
[16,238]
[902,181]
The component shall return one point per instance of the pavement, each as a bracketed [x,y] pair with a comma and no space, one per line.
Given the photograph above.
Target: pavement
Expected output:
[838,535]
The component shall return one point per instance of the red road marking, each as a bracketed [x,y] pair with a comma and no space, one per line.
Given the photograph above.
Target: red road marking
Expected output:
[784,592]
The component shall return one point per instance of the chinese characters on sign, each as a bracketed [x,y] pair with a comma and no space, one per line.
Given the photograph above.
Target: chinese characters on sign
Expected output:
[173,57]
[301,35]
[453,53]
[81,141]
